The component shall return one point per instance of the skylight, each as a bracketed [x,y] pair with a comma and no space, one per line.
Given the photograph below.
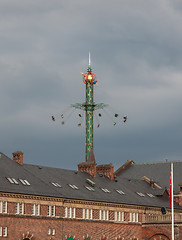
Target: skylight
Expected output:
[56,184]
[150,195]
[105,190]
[140,194]
[120,192]
[24,182]
[90,182]
[90,188]
[12,180]
[73,186]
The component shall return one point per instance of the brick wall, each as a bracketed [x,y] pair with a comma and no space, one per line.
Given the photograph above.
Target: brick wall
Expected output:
[59,227]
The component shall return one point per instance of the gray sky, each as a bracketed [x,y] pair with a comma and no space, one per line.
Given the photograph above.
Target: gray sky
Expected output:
[136,53]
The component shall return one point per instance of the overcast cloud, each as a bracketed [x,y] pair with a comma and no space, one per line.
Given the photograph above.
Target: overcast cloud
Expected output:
[136,53]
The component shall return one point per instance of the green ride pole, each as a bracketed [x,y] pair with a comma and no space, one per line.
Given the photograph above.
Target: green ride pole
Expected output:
[89,109]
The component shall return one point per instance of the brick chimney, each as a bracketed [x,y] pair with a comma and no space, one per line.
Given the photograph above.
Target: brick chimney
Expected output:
[89,166]
[18,157]
[106,170]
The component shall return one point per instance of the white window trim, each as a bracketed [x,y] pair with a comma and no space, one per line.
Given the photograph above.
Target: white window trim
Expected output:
[136,217]
[51,210]
[133,217]
[53,231]
[66,212]
[36,209]
[4,207]
[122,216]
[107,215]
[83,213]
[69,212]
[100,214]
[20,208]
[5,231]
[130,217]
[33,209]
[49,231]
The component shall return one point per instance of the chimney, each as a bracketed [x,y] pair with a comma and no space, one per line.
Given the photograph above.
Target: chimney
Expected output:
[89,166]
[18,157]
[106,170]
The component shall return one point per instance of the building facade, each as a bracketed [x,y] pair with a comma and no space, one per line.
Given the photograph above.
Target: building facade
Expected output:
[39,202]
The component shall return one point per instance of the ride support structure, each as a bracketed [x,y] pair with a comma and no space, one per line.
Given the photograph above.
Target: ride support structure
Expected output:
[89,107]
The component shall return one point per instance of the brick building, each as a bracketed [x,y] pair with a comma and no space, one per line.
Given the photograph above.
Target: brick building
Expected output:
[38,202]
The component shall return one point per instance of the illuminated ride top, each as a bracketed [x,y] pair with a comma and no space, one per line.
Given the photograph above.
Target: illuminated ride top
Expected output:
[89,107]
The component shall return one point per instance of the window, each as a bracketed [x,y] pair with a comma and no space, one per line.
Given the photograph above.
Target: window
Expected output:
[12,180]
[70,212]
[24,182]
[105,190]
[51,231]
[56,184]
[150,195]
[36,209]
[136,217]
[140,194]
[103,214]
[90,188]
[51,211]
[119,216]
[90,182]
[120,192]
[133,217]
[20,208]
[3,207]
[130,217]
[87,213]
[3,231]
[73,186]
[66,212]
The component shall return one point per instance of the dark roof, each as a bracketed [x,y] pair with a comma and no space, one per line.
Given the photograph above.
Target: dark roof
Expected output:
[159,172]
[41,178]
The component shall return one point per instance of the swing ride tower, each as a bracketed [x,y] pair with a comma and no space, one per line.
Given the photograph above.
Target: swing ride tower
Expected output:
[89,80]
[89,107]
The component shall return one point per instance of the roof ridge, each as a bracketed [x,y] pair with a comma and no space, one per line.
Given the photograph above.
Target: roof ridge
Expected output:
[41,166]
[150,163]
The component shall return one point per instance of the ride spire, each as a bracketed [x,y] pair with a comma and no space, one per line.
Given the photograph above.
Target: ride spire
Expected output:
[89,60]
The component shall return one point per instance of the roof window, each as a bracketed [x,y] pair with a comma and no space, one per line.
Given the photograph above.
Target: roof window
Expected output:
[24,182]
[90,188]
[90,182]
[120,192]
[55,184]
[13,180]
[140,194]
[150,195]
[73,186]
[105,190]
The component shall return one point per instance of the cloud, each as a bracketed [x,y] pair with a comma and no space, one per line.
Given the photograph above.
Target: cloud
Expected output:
[136,55]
